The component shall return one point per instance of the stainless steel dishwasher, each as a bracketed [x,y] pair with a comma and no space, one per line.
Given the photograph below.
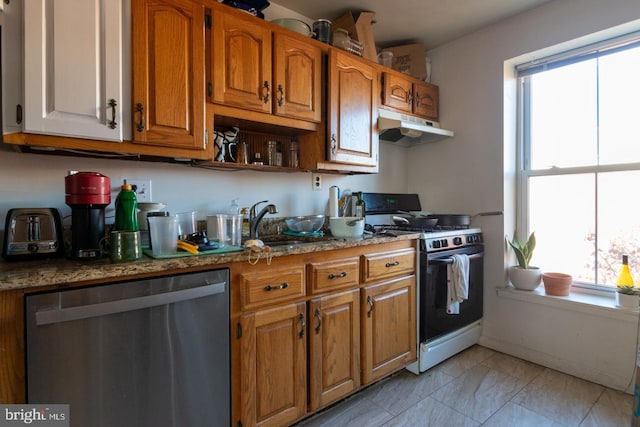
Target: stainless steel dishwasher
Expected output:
[143,353]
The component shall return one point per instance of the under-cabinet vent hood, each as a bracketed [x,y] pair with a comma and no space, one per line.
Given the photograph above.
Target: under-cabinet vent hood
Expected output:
[404,129]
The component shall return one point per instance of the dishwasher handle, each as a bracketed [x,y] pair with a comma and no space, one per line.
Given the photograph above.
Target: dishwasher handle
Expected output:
[47,317]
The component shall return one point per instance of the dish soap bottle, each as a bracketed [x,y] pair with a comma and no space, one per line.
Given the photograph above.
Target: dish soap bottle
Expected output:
[126,209]
[624,278]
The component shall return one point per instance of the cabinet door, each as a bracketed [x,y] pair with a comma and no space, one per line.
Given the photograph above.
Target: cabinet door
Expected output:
[274,365]
[76,64]
[241,62]
[334,347]
[388,322]
[12,79]
[353,92]
[397,92]
[297,70]
[425,102]
[168,70]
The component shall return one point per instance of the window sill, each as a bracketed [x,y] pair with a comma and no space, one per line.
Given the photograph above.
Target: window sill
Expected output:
[579,300]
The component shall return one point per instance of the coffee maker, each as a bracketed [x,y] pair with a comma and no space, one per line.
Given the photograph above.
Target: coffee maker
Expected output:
[88,194]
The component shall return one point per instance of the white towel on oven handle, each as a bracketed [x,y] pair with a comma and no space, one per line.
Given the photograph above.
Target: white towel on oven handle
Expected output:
[457,282]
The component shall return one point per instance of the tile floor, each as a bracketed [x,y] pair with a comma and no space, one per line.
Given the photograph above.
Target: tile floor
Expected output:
[481,387]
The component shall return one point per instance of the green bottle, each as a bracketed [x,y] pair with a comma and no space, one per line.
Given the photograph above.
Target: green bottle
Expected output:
[126,209]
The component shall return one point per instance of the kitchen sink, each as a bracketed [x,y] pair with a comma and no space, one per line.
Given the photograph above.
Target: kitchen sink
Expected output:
[279,241]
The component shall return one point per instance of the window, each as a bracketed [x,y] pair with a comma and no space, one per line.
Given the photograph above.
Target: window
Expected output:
[580,160]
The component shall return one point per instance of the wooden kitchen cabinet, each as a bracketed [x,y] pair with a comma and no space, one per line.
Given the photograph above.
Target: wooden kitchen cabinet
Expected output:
[255,68]
[334,347]
[352,135]
[168,73]
[274,365]
[76,69]
[388,314]
[406,94]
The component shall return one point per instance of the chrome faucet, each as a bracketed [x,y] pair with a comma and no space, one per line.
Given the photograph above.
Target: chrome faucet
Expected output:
[254,219]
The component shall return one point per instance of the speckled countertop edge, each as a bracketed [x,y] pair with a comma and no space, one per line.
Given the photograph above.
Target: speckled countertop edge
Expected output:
[38,273]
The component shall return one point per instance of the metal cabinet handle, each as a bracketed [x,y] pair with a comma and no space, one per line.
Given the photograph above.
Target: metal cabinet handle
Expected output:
[337,276]
[280,95]
[319,317]
[302,325]
[392,264]
[140,109]
[284,285]
[334,143]
[266,91]
[370,302]
[417,104]
[112,123]
[410,100]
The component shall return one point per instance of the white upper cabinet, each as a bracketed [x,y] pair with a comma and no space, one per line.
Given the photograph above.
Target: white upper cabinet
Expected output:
[11,21]
[77,62]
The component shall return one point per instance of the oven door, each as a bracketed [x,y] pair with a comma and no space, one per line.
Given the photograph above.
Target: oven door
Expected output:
[434,320]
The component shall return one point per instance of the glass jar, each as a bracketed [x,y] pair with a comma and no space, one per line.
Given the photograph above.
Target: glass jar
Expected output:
[341,38]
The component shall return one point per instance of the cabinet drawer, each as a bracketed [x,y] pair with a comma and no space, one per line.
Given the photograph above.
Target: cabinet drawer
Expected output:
[271,286]
[383,265]
[335,274]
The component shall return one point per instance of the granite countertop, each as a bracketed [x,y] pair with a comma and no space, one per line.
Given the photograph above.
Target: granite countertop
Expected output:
[62,272]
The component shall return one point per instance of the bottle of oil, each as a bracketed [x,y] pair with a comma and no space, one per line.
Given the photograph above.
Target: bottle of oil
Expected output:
[360,206]
[245,222]
[625,278]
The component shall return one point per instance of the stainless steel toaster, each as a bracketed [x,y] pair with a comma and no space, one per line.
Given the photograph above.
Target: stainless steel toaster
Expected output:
[32,233]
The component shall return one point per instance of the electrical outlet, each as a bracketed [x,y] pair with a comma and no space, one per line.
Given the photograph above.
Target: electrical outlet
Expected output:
[142,187]
[316,182]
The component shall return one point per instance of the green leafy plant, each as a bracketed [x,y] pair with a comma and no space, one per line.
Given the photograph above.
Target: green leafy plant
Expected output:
[628,289]
[523,251]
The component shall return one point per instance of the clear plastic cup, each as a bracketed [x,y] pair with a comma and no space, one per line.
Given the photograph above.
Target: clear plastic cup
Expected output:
[226,229]
[163,232]
[187,224]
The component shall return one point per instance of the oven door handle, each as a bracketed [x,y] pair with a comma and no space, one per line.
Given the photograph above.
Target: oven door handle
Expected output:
[450,260]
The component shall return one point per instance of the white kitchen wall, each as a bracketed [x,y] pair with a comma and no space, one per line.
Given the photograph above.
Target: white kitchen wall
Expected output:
[474,172]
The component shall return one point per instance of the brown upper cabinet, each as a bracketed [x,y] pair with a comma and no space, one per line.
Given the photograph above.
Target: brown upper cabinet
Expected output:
[406,94]
[352,135]
[257,69]
[168,73]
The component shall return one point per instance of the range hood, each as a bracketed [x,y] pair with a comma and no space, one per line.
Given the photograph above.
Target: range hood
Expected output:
[405,129]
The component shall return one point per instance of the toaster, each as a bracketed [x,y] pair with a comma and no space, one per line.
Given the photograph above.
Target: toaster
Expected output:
[32,233]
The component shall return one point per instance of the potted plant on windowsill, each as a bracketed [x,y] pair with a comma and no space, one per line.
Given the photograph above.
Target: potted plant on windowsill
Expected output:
[627,296]
[524,276]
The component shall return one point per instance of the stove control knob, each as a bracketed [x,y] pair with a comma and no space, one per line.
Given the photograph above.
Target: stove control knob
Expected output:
[457,241]
[444,243]
[436,244]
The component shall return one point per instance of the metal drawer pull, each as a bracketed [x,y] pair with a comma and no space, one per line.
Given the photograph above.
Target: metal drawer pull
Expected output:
[266,91]
[319,317]
[392,264]
[281,96]
[268,288]
[112,123]
[140,109]
[337,276]
[302,325]
[370,302]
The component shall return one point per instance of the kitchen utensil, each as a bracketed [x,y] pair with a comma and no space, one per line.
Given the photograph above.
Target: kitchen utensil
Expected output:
[294,25]
[88,194]
[305,224]
[163,232]
[31,233]
[459,220]
[348,226]
[420,221]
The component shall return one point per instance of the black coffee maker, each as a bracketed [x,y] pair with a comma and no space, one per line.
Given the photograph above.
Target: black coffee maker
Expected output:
[88,194]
